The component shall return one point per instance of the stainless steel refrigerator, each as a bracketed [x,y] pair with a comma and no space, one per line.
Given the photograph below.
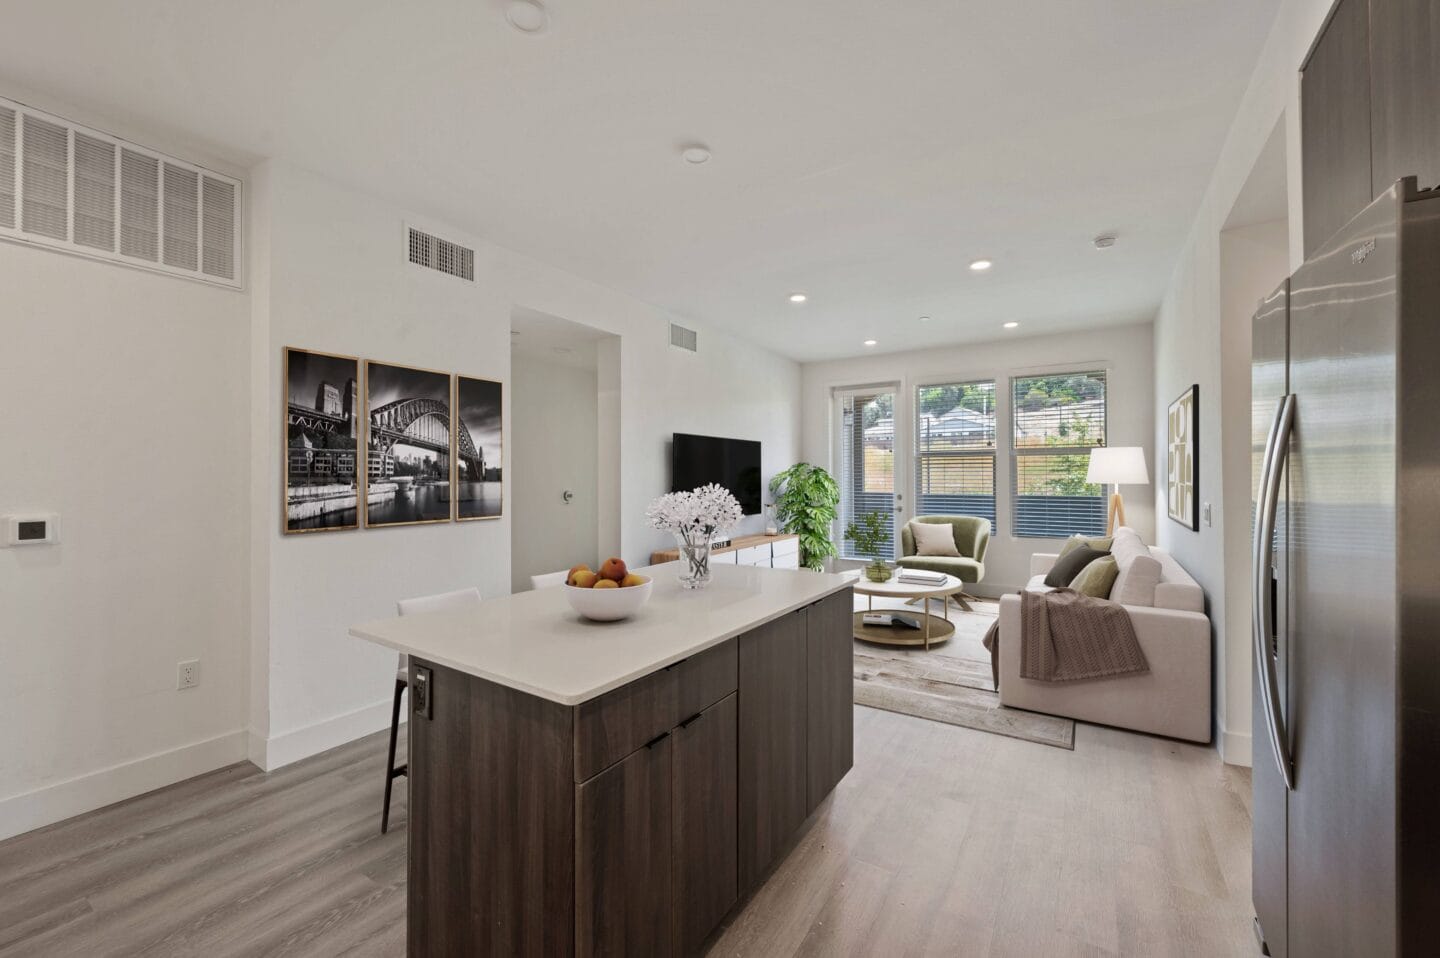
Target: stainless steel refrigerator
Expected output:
[1346,592]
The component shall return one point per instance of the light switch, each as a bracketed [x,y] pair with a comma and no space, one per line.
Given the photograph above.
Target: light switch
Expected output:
[1207,513]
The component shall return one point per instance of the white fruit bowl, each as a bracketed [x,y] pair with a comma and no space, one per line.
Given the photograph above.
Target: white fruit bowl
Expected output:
[608,605]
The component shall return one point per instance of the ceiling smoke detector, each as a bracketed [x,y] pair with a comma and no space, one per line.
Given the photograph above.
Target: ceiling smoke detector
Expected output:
[527,16]
[695,154]
[1105,241]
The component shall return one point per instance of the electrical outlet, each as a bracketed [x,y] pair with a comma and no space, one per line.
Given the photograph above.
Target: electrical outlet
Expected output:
[188,674]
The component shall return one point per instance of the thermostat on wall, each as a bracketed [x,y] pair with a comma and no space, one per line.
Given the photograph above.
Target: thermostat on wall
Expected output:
[32,530]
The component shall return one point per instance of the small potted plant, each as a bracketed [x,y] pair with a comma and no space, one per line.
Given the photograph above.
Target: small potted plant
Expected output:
[869,534]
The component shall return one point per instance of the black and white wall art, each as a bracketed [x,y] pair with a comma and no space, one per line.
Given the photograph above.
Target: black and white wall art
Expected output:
[408,445]
[1182,460]
[322,441]
[480,448]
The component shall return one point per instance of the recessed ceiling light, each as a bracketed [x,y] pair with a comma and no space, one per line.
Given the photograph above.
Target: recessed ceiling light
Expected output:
[562,350]
[1011,325]
[695,154]
[527,16]
[798,297]
[869,342]
[924,319]
[980,265]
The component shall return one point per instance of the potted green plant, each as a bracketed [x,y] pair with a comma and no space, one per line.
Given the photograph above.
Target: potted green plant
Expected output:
[806,498]
[869,534]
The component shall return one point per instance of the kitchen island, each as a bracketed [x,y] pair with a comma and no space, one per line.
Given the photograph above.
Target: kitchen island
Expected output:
[616,788]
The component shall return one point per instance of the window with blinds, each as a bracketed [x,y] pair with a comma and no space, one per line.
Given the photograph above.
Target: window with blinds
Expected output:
[1056,421]
[71,188]
[867,464]
[955,449]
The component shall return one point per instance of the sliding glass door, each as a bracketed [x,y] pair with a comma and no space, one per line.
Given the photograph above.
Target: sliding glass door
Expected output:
[867,464]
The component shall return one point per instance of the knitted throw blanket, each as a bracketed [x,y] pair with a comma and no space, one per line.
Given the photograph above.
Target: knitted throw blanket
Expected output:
[1066,636]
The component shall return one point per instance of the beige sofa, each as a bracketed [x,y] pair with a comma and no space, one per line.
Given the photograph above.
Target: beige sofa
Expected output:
[1172,699]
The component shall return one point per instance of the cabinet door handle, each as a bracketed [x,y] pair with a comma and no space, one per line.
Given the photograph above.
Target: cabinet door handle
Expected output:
[691,720]
[657,740]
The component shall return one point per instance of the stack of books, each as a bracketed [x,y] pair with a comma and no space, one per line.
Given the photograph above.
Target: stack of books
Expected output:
[921,577]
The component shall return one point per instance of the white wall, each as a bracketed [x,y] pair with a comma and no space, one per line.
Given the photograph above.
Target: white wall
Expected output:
[1125,351]
[730,387]
[125,412]
[338,282]
[553,446]
[1190,338]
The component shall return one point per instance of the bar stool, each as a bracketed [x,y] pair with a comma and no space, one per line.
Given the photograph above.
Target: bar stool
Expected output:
[547,580]
[443,602]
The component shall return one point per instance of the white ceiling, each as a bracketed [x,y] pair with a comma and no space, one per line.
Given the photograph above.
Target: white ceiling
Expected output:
[864,152]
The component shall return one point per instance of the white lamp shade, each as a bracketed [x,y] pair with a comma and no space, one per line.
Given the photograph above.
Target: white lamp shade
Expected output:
[1118,466]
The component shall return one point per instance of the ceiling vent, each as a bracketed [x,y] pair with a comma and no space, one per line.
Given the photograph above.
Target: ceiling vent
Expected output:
[682,337]
[71,188]
[432,252]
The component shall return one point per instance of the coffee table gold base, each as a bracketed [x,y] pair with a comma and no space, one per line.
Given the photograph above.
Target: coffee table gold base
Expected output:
[933,631]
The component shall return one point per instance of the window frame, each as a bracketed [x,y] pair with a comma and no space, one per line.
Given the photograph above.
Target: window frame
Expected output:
[918,456]
[1018,453]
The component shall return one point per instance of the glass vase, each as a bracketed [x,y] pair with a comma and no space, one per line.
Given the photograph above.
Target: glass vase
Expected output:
[695,556]
[878,570]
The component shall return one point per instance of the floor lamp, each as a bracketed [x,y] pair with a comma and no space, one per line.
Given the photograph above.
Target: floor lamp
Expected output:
[1117,466]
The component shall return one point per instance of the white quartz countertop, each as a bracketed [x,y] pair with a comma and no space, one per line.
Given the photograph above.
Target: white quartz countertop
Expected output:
[534,642]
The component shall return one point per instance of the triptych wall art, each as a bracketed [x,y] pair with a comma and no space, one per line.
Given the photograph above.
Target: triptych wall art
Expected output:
[412,445]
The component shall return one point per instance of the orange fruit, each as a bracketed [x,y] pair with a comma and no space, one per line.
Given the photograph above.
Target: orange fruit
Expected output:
[607,584]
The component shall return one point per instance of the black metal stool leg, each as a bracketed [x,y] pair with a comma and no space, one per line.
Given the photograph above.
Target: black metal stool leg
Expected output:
[390,770]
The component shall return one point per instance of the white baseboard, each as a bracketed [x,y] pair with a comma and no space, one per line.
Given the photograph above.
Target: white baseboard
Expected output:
[288,747]
[84,793]
[1235,748]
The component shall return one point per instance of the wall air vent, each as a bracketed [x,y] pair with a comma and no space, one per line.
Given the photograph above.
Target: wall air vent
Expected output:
[432,252]
[682,337]
[71,188]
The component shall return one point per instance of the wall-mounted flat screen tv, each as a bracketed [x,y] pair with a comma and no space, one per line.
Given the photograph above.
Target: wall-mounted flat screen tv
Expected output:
[732,463]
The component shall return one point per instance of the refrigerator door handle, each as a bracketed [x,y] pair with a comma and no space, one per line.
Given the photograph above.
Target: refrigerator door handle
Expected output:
[1272,470]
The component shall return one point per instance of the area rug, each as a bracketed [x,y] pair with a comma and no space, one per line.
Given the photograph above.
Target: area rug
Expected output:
[951,683]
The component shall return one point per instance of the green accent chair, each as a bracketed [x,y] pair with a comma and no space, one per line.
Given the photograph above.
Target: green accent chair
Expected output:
[972,540]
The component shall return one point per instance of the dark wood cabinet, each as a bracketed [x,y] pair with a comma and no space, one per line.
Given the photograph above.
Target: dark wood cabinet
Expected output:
[771,772]
[1404,92]
[477,834]
[1335,123]
[705,873]
[830,695]
[623,856]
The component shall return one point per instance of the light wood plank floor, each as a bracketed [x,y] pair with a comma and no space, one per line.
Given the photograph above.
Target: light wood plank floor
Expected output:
[941,841]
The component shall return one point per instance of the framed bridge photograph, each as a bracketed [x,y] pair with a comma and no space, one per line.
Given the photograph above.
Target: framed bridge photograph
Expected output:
[480,449]
[407,445]
[322,442]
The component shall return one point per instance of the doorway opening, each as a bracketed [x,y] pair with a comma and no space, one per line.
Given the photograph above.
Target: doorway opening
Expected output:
[564,447]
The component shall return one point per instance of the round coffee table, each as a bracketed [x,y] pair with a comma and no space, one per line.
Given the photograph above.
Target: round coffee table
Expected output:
[933,628]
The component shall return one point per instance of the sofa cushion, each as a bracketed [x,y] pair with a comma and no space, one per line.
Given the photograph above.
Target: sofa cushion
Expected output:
[1097,578]
[966,570]
[1068,566]
[934,539]
[1098,543]
[1037,584]
[1135,585]
[1127,545]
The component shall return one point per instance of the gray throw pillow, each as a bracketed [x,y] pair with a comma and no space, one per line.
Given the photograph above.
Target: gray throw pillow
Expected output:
[1069,565]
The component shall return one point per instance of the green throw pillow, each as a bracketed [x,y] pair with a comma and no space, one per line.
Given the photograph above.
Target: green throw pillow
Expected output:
[1097,578]
[1099,544]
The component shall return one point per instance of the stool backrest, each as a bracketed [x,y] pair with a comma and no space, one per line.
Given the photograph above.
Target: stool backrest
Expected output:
[440,602]
[549,579]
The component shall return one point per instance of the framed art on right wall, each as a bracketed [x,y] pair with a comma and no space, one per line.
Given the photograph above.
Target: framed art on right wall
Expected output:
[1182,458]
